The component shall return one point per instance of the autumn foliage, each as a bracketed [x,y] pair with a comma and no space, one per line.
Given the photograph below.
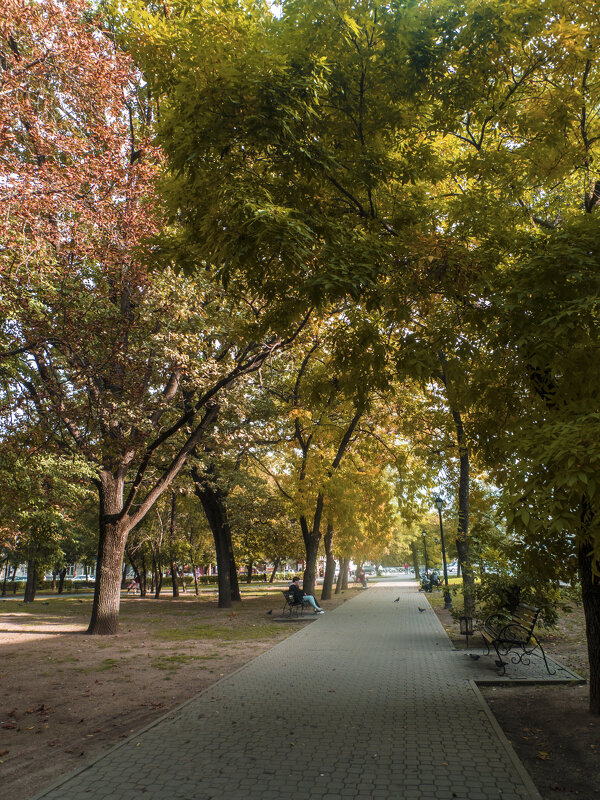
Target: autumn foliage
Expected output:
[74,184]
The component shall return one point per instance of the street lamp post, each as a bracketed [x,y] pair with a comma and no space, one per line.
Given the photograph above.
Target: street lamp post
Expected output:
[439,503]
[424,535]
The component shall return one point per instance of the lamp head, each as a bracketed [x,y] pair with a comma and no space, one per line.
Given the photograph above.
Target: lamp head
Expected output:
[438,502]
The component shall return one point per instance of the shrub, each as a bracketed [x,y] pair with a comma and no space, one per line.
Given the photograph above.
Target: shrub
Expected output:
[502,590]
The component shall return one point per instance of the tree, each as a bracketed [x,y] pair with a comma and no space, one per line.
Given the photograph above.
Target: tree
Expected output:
[44,496]
[123,368]
[527,134]
[307,205]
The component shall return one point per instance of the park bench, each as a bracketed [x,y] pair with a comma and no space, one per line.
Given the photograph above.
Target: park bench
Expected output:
[513,633]
[291,605]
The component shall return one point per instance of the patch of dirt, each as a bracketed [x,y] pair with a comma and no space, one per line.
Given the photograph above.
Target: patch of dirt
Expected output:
[550,727]
[66,697]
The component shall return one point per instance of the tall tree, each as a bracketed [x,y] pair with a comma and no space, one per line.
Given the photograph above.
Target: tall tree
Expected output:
[121,367]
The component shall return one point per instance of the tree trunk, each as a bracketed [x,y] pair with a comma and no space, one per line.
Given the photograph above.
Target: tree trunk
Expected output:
[327,590]
[312,540]
[111,549]
[157,577]
[343,570]
[590,594]
[61,580]
[174,579]
[415,558]
[462,534]
[249,567]
[312,537]
[31,584]
[172,564]
[233,575]
[276,564]
[345,575]
[214,505]
[142,576]
[6,569]
[195,574]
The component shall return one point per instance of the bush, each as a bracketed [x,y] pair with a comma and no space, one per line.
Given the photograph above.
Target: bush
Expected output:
[501,590]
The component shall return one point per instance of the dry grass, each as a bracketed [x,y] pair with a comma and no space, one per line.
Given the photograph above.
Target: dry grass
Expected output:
[65,697]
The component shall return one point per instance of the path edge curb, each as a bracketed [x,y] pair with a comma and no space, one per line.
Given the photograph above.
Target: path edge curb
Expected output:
[167,715]
[509,749]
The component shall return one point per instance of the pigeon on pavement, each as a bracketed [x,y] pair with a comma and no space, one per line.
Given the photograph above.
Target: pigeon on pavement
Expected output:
[397,600]
[421,609]
[270,612]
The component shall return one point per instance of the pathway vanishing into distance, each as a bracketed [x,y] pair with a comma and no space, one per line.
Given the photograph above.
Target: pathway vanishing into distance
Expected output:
[366,702]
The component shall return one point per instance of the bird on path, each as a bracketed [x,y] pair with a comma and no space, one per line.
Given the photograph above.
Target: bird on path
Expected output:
[474,656]
[421,609]
[270,611]
[397,600]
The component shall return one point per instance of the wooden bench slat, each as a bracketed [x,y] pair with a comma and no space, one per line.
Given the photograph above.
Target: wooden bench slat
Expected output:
[511,632]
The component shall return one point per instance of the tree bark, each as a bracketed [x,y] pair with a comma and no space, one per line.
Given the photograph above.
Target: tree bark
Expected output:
[118,517]
[590,595]
[111,549]
[143,577]
[312,539]
[415,558]
[173,565]
[344,562]
[195,574]
[327,590]
[276,564]
[214,504]
[462,533]
[345,575]
[157,576]
[31,584]
[249,567]
[61,580]
[5,577]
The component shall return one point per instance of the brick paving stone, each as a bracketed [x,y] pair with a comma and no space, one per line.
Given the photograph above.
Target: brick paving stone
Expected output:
[326,719]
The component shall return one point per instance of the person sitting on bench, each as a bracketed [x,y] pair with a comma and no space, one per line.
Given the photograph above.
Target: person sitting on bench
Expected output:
[300,597]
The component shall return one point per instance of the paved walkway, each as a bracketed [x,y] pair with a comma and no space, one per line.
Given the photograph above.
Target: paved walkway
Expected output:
[367,702]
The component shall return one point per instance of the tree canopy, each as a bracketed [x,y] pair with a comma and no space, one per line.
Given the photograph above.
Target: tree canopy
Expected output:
[330,256]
